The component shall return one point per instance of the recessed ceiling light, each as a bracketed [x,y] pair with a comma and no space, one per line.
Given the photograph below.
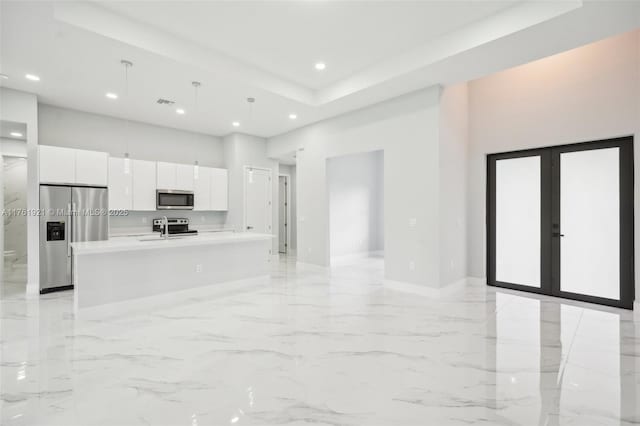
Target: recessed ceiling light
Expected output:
[32,77]
[4,76]
[236,124]
[112,95]
[180,111]
[16,134]
[320,66]
[293,116]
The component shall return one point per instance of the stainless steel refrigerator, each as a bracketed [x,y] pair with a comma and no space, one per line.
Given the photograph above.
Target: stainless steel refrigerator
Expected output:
[68,214]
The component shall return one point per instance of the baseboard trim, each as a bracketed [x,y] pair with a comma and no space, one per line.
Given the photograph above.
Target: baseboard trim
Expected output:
[354,257]
[429,290]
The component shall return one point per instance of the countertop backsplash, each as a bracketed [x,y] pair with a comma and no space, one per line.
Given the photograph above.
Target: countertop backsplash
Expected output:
[140,222]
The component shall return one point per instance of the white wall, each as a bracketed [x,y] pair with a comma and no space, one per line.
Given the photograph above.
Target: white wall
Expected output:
[406,128]
[242,150]
[292,225]
[454,134]
[22,107]
[77,129]
[13,148]
[15,226]
[356,194]
[588,93]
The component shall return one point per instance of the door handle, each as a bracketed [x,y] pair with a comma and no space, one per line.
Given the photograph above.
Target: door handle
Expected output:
[557,234]
[249,227]
[67,230]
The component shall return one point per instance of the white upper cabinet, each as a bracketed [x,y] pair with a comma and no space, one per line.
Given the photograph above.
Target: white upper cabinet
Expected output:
[57,165]
[92,167]
[202,189]
[73,166]
[144,184]
[184,177]
[219,189]
[166,175]
[174,176]
[120,185]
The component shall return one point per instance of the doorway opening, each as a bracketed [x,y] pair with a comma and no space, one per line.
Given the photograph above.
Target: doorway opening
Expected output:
[560,221]
[356,209]
[287,209]
[13,192]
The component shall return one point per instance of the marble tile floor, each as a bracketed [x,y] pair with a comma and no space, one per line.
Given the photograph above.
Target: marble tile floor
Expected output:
[322,347]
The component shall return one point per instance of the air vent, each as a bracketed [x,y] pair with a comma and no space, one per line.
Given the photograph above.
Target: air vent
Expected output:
[165,102]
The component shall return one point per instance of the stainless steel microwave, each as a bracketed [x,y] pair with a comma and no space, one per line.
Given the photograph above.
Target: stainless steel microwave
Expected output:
[174,199]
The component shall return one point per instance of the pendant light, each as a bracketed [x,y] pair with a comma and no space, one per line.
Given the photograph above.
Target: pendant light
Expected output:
[196,85]
[127,161]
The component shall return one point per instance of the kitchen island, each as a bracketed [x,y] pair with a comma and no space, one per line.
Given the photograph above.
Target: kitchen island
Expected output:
[125,268]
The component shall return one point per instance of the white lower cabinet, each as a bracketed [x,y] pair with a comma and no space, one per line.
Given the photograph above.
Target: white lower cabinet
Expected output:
[144,184]
[120,185]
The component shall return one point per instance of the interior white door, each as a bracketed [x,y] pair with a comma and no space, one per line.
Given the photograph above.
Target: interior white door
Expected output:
[518,213]
[258,194]
[590,222]
[283,199]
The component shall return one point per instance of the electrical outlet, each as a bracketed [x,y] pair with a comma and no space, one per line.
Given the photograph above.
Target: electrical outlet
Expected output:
[144,219]
[201,218]
[308,249]
[412,222]
[199,267]
[412,265]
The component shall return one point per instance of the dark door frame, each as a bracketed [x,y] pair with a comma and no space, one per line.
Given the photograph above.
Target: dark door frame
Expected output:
[550,220]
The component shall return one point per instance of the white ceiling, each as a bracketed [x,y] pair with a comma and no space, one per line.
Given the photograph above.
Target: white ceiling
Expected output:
[267,49]
[287,38]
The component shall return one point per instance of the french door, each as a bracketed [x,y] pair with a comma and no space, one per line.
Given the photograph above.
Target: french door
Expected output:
[560,221]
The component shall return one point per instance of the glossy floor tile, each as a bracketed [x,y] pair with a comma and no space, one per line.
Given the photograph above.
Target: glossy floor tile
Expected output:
[312,346]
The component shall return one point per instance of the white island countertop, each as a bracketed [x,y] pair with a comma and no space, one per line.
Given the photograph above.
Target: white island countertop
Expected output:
[135,243]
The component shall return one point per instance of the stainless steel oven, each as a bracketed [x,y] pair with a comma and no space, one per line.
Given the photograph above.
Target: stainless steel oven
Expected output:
[174,199]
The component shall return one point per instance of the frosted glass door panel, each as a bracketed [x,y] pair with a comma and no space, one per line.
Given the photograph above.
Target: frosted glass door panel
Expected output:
[590,222]
[518,198]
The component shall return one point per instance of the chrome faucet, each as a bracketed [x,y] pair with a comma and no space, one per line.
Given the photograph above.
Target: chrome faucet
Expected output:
[165,224]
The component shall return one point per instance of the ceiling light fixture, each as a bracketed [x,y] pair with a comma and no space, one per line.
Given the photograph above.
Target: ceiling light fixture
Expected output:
[4,76]
[236,124]
[112,95]
[320,66]
[293,116]
[32,77]
[180,111]
[16,134]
